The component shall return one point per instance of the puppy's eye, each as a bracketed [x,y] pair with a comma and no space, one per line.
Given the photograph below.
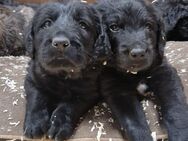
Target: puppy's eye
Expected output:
[83,25]
[46,24]
[149,26]
[114,27]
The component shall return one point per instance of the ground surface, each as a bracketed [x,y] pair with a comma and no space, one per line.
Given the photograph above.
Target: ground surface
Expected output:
[98,123]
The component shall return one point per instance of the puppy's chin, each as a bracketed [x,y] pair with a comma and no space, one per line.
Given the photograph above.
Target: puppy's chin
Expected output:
[69,69]
[133,67]
[67,72]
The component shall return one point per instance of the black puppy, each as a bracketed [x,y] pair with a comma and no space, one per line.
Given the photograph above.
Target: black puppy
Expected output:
[175,15]
[6,2]
[13,21]
[138,65]
[61,84]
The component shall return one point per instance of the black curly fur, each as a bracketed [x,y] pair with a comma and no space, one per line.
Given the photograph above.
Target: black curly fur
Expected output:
[62,83]
[134,25]
[175,16]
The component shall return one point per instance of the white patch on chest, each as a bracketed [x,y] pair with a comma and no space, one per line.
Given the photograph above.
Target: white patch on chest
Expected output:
[141,88]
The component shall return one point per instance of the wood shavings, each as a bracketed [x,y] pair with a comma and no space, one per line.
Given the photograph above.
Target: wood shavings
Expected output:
[154,136]
[9,130]
[183,70]
[8,70]
[111,120]
[179,49]
[22,87]
[100,127]
[144,108]
[148,77]
[14,123]
[155,106]
[147,103]
[22,96]
[11,140]
[14,91]
[2,128]
[4,89]
[182,61]
[93,127]
[9,83]
[17,67]
[84,1]
[98,112]
[15,102]
[10,118]
[156,123]
[5,111]
[104,105]
[141,88]
[22,138]
[122,128]
[1,65]
[133,72]
[148,121]
[20,34]
[10,113]
[105,63]
[93,68]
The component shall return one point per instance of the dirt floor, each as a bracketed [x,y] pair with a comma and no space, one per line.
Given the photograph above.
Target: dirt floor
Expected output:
[98,124]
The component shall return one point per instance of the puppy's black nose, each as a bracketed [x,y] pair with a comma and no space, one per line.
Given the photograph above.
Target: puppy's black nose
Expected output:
[60,42]
[137,53]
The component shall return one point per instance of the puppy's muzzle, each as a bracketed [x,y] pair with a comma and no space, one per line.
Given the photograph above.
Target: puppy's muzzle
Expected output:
[137,54]
[60,42]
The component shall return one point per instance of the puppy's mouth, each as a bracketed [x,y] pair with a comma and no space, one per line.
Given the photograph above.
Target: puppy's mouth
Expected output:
[134,68]
[58,64]
[61,61]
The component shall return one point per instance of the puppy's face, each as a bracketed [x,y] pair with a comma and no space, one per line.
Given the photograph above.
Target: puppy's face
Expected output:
[63,36]
[180,31]
[133,32]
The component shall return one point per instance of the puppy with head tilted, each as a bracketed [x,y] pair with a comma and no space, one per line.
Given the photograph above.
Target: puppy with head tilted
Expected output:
[138,65]
[61,84]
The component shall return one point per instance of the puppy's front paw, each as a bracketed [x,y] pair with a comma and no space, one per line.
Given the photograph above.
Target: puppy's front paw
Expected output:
[177,123]
[36,124]
[184,135]
[178,135]
[61,128]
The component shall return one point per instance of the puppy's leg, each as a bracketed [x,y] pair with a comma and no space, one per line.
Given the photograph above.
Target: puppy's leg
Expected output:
[37,115]
[129,113]
[66,116]
[167,86]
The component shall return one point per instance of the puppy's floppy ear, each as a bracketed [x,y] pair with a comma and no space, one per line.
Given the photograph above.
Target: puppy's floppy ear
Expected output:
[161,38]
[28,40]
[102,45]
